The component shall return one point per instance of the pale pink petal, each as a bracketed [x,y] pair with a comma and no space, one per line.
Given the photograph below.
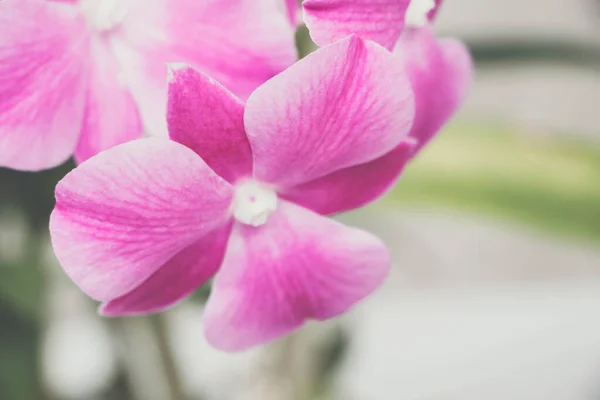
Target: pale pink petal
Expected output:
[345,104]
[240,43]
[111,116]
[175,280]
[208,119]
[44,49]
[352,187]
[292,11]
[440,72]
[298,266]
[125,212]
[378,20]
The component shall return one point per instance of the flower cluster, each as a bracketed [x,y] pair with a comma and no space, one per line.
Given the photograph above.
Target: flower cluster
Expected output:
[242,187]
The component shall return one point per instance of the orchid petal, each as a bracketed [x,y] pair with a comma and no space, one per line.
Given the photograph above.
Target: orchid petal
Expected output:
[240,43]
[440,72]
[343,105]
[127,211]
[111,115]
[176,279]
[43,51]
[378,20]
[292,11]
[352,187]
[298,266]
[433,13]
[208,119]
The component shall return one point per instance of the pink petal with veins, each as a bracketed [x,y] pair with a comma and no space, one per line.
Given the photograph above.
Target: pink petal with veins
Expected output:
[111,115]
[176,279]
[209,119]
[345,104]
[298,266]
[240,43]
[440,72]
[379,20]
[127,211]
[43,60]
[352,187]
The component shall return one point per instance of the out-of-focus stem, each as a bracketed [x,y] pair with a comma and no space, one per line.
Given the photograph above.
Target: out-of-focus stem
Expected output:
[149,361]
[172,376]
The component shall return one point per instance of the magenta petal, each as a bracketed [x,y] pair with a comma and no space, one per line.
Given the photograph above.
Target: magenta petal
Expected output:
[433,13]
[43,59]
[378,20]
[298,266]
[345,104]
[176,279]
[440,72]
[111,115]
[240,43]
[292,11]
[352,187]
[127,211]
[208,119]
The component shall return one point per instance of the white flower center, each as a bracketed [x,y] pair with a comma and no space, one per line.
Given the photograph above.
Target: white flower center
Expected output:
[416,14]
[253,202]
[104,15]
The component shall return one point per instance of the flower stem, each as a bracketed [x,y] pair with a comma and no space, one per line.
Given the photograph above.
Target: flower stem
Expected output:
[173,380]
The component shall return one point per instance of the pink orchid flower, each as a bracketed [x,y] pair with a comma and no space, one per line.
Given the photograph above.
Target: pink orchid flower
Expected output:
[240,189]
[82,76]
[440,70]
